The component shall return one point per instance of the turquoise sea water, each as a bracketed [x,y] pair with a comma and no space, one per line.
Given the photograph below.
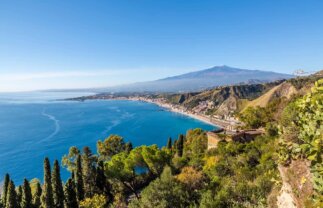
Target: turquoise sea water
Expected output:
[33,126]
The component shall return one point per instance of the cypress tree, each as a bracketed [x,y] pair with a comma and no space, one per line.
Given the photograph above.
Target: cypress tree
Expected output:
[175,144]
[47,195]
[180,145]
[79,179]
[26,201]
[73,176]
[5,189]
[100,179]
[169,143]
[88,161]
[58,192]
[19,195]
[70,195]
[11,196]
[37,196]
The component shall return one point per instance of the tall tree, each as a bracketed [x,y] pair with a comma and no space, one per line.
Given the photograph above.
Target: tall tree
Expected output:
[37,196]
[69,160]
[180,145]
[5,188]
[112,145]
[11,196]
[26,201]
[102,185]
[88,165]
[175,145]
[70,195]
[165,191]
[100,178]
[73,176]
[79,179]
[58,192]
[122,166]
[169,143]
[19,195]
[47,195]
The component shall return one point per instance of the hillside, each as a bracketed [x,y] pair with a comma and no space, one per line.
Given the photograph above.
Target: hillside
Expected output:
[223,100]
[201,80]
[284,89]
[229,100]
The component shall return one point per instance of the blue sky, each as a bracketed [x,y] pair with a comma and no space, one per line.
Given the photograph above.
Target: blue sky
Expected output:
[78,44]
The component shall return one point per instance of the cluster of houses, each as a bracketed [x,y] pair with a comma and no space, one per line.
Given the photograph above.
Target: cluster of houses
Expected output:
[203,107]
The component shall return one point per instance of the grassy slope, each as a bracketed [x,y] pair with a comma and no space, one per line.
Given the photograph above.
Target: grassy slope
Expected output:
[263,100]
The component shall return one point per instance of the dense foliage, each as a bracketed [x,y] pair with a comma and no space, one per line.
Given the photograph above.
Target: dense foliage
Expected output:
[180,175]
[302,134]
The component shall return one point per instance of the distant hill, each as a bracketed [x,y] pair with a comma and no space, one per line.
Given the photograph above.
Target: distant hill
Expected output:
[201,80]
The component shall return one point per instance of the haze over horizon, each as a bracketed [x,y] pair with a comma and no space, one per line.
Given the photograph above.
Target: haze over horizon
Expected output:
[80,44]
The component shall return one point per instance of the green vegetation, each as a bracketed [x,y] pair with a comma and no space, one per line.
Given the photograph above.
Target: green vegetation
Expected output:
[255,117]
[37,195]
[184,173]
[97,201]
[47,194]
[11,196]
[58,192]
[165,191]
[5,188]
[300,82]
[70,194]
[302,134]
[180,175]
[26,201]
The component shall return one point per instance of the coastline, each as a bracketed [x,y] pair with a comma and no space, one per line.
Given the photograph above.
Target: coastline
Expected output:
[215,122]
[174,110]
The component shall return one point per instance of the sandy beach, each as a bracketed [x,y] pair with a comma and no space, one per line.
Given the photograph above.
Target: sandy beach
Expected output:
[198,117]
[214,122]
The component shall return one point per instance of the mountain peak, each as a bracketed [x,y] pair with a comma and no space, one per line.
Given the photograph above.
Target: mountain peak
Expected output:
[223,70]
[206,78]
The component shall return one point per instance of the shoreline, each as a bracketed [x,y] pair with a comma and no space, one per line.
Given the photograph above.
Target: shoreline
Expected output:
[174,110]
[215,122]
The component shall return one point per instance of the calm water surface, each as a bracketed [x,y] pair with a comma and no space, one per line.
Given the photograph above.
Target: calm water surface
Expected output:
[34,125]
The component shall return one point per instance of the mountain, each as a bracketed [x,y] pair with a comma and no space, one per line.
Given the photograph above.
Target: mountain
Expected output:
[203,79]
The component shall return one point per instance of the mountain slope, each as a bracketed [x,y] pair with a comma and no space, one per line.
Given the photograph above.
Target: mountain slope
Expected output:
[203,79]
[226,99]
[283,90]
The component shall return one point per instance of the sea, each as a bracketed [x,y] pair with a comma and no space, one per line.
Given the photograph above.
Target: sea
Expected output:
[36,125]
